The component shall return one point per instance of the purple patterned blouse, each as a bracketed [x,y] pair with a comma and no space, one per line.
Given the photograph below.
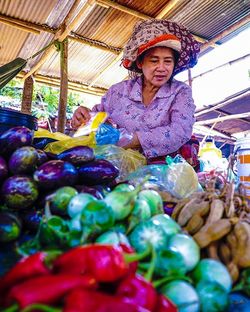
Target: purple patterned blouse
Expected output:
[163,126]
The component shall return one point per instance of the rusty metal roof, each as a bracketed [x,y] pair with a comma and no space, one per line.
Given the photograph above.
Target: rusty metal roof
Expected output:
[96,41]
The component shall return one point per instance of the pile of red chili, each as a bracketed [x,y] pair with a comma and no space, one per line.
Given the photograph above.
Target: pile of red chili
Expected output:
[91,278]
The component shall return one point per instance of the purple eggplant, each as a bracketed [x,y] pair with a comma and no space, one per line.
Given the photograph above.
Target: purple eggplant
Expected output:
[55,173]
[23,160]
[77,155]
[42,157]
[19,192]
[14,138]
[31,219]
[92,190]
[10,227]
[99,171]
[3,169]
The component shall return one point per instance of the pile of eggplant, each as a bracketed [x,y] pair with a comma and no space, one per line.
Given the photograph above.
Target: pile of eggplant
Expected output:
[28,175]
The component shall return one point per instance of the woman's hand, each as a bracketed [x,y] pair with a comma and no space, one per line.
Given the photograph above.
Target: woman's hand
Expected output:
[134,143]
[80,116]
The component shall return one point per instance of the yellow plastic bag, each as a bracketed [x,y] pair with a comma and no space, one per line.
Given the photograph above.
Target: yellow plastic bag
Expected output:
[85,135]
[61,146]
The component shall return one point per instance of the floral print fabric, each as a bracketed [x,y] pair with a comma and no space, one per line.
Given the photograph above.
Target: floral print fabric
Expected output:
[162,126]
[146,31]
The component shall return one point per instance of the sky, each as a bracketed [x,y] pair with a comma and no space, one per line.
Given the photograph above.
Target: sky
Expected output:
[219,83]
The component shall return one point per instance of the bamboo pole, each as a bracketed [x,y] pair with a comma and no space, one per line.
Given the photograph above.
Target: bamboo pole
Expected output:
[21,27]
[27,95]
[64,31]
[63,97]
[221,119]
[227,31]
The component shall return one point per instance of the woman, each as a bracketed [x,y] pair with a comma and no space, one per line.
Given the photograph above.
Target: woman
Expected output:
[153,109]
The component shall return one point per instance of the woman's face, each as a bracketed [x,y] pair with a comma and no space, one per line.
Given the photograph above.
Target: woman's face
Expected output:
[157,65]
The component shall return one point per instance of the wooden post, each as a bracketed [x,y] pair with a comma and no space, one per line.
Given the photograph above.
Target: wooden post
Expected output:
[61,118]
[27,95]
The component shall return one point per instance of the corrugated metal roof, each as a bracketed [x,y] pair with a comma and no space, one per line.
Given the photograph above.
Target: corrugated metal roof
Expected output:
[108,25]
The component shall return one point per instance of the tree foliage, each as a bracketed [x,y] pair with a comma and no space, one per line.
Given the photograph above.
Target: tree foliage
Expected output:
[45,99]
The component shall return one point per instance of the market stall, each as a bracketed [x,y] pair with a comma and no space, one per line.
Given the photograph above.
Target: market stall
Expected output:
[86,225]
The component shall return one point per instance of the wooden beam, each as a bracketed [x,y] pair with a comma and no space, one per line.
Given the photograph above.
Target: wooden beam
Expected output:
[227,31]
[222,104]
[63,97]
[73,36]
[168,7]
[64,31]
[123,8]
[21,27]
[27,95]
[221,119]
[137,14]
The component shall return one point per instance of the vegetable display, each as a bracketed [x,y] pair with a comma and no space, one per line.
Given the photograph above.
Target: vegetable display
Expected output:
[94,245]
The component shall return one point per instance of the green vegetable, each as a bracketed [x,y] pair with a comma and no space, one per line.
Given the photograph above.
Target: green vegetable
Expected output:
[148,234]
[169,226]
[183,295]
[213,297]
[124,187]
[170,263]
[53,232]
[187,247]
[78,203]
[140,212]
[244,282]
[212,271]
[60,199]
[97,217]
[121,203]
[113,238]
[154,200]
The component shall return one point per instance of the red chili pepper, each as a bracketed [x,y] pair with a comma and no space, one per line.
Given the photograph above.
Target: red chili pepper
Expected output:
[48,289]
[74,261]
[136,289]
[26,268]
[105,262]
[165,305]
[92,301]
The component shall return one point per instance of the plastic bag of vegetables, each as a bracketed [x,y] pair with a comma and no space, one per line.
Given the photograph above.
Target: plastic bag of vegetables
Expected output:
[177,177]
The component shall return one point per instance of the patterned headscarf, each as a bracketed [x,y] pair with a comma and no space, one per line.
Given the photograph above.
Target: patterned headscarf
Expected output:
[152,33]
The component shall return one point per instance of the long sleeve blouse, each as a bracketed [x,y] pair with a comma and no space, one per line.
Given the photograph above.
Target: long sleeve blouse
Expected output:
[163,126]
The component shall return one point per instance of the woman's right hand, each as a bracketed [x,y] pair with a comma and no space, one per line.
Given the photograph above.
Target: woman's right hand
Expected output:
[80,116]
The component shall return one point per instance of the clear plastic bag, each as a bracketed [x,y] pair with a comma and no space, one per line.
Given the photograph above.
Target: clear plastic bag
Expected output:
[177,177]
[126,161]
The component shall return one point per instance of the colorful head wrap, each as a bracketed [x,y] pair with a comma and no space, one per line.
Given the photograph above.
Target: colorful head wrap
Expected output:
[153,33]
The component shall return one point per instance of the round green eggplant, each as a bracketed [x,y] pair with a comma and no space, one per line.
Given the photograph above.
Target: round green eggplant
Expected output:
[19,192]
